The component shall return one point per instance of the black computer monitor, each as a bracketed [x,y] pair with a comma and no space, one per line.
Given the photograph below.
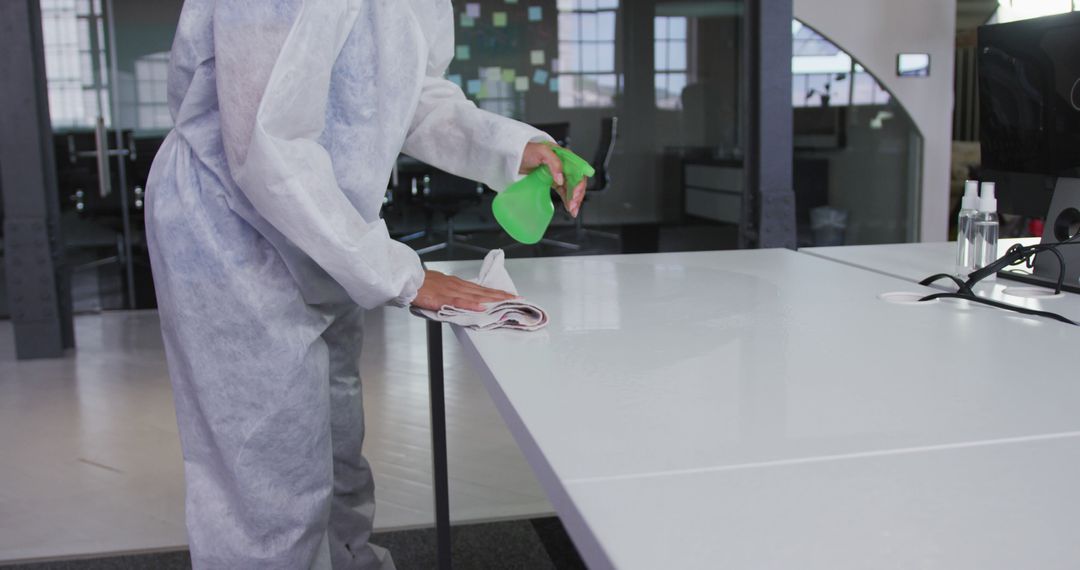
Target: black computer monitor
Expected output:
[1029,108]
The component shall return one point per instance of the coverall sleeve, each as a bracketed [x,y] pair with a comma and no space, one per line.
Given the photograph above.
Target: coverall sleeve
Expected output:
[273,62]
[449,132]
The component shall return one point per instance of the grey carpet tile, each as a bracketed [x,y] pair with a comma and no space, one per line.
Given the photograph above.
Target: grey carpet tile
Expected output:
[539,544]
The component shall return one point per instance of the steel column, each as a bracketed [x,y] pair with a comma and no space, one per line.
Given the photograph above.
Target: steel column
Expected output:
[39,292]
[769,163]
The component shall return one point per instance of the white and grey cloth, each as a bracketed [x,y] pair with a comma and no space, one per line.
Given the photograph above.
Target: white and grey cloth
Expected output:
[515,314]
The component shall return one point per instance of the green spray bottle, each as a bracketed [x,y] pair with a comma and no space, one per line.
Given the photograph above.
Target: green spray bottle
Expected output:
[525,209]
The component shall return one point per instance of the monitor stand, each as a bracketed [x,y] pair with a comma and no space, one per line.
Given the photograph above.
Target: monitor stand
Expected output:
[1062,223]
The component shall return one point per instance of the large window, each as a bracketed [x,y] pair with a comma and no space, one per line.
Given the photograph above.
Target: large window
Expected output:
[151,91]
[75,66]
[670,43]
[587,66]
[823,75]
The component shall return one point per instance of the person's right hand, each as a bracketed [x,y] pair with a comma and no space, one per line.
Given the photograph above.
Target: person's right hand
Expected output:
[440,290]
[540,154]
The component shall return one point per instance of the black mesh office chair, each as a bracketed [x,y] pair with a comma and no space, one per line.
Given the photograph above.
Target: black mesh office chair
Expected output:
[609,133]
[558,131]
[561,133]
[446,194]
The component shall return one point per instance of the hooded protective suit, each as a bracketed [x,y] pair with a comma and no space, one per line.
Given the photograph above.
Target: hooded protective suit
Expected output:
[264,232]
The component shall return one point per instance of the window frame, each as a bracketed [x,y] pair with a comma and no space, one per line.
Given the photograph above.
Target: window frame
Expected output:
[667,72]
[572,79]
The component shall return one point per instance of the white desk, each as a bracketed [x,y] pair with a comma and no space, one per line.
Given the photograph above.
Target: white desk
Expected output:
[914,262]
[908,261]
[763,409]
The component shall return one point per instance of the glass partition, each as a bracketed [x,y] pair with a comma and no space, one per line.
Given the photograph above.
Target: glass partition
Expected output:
[857,152]
[669,71]
[106,64]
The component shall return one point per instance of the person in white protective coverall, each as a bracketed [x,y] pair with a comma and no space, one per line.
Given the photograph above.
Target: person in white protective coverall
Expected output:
[266,243]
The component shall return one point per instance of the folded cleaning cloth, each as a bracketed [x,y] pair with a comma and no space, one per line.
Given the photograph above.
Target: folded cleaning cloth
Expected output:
[515,314]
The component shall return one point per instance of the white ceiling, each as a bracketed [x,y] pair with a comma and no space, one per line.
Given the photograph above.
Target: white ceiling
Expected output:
[971,14]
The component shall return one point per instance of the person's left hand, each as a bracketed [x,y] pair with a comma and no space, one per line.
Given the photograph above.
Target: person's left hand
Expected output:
[537,154]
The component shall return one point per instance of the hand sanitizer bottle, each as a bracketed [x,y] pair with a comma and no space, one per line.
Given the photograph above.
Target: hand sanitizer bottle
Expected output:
[965,235]
[986,229]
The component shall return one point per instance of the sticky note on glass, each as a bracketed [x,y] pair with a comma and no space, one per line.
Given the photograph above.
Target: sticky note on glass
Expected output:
[455,79]
[536,13]
[474,86]
[540,77]
[493,73]
[472,10]
[464,53]
[499,19]
[537,57]
[467,21]
[509,75]
[511,1]
[554,85]
[521,84]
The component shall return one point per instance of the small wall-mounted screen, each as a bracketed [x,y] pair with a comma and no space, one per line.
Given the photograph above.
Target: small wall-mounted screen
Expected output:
[913,65]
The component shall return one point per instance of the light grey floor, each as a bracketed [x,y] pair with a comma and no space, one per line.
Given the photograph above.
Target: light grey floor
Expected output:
[90,461]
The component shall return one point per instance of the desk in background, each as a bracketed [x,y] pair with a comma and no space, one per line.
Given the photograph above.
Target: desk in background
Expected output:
[713,189]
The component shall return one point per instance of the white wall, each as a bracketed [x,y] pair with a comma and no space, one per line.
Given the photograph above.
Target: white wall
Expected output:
[874,32]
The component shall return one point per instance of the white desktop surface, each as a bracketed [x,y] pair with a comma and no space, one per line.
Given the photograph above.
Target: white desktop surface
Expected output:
[756,408]
[914,262]
[908,261]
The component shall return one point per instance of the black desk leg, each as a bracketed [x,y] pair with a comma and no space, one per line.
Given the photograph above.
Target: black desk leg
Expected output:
[438,444]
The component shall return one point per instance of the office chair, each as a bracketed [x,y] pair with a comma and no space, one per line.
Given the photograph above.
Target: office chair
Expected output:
[441,192]
[558,131]
[609,132]
[561,133]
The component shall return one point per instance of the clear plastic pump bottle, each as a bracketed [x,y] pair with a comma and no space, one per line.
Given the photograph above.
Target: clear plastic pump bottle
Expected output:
[965,235]
[986,229]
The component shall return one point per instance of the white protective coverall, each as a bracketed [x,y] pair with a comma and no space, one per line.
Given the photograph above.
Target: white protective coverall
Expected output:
[266,243]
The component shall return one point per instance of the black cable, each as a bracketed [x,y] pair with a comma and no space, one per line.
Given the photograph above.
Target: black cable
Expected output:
[1020,254]
[1000,305]
[1016,255]
[960,285]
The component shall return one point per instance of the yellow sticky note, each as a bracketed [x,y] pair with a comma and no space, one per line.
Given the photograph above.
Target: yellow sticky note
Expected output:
[509,75]
[537,57]
[499,19]
[522,84]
